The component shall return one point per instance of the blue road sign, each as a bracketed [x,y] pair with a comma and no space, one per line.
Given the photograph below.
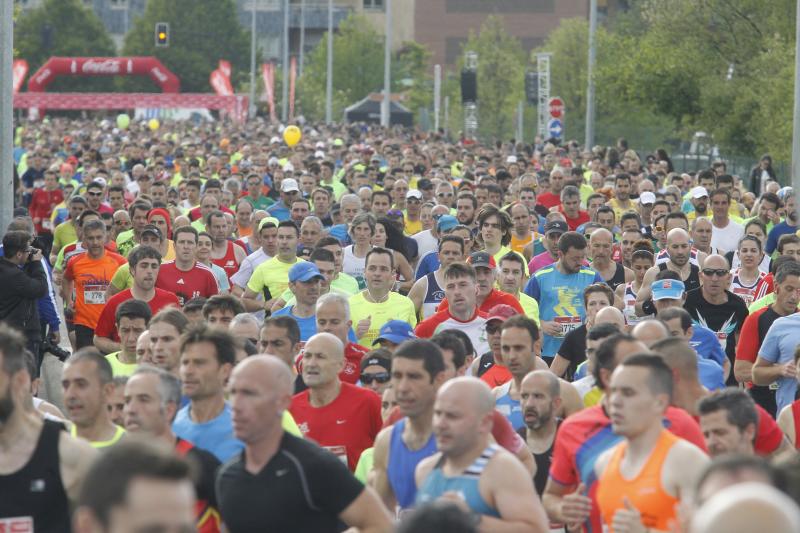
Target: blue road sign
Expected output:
[555,128]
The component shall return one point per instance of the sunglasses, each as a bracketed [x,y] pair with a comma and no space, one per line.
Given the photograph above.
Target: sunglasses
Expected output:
[719,272]
[380,377]
[94,193]
[394,213]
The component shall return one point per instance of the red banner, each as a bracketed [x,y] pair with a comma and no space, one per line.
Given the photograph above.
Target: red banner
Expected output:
[268,74]
[220,84]
[104,66]
[292,80]
[19,71]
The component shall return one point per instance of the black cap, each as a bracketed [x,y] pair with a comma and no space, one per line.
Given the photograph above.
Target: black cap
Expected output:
[482,259]
[152,229]
[424,184]
[556,225]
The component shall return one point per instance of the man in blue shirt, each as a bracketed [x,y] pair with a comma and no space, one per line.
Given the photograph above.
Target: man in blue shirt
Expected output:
[304,282]
[789,224]
[290,191]
[775,362]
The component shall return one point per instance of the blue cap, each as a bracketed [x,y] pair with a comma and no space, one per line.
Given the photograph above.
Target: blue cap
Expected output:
[304,271]
[667,289]
[396,331]
[446,222]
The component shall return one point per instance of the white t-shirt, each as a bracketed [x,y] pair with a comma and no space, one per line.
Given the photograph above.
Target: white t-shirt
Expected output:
[726,239]
[426,242]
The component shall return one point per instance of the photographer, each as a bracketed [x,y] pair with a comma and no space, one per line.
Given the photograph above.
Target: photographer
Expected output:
[23,282]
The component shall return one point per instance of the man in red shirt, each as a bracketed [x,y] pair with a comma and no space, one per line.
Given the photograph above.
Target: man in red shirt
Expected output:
[144,262]
[185,277]
[486,278]
[340,417]
[571,207]
[224,252]
[552,198]
[42,203]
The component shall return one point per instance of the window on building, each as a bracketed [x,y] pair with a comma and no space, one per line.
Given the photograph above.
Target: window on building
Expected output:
[374,4]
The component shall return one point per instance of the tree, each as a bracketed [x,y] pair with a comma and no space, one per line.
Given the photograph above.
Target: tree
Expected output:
[201,33]
[63,28]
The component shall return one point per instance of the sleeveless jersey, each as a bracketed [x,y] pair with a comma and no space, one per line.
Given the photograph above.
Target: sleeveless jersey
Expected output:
[433,296]
[464,484]
[644,491]
[796,417]
[693,281]
[509,407]
[662,257]
[618,278]
[354,266]
[228,261]
[33,497]
[403,462]
[118,434]
[629,311]
[743,291]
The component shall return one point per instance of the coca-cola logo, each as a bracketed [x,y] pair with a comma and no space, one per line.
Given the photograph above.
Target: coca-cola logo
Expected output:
[43,76]
[160,76]
[106,66]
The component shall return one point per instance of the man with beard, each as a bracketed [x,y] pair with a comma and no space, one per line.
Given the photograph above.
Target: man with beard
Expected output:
[571,207]
[622,202]
[466,207]
[41,467]
[789,224]
[679,251]
[699,200]
[540,396]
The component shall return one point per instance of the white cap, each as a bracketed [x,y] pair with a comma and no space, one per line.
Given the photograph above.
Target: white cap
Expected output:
[289,185]
[647,198]
[100,180]
[288,167]
[414,193]
[275,140]
[511,159]
[319,154]
[699,192]
[272,161]
[320,145]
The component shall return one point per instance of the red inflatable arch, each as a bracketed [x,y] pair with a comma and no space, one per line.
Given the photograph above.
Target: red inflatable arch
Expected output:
[104,66]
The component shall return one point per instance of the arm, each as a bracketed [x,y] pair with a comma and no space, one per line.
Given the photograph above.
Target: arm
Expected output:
[417,294]
[106,345]
[786,423]
[571,401]
[367,514]
[76,456]
[405,270]
[629,275]
[766,372]
[746,350]
[251,304]
[559,365]
[511,490]
[380,469]
[645,293]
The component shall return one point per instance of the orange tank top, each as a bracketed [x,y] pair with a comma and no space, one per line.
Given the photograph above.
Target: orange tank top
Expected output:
[644,491]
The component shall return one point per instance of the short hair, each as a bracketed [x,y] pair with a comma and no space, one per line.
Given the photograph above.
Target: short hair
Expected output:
[89,353]
[622,176]
[571,239]
[438,516]
[770,197]
[16,241]
[362,218]
[630,215]
[677,312]
[94,225]
[184,229]
[381,193]
[739,407]
[193,305]
[515,257]
[790,268]
[216,213]
[86,214]
[756,222]
[570,191]
[602,330]
[523,322]
[172,316]
[139,205]
[376,250]
[676,215]
[108,481]
[169,386]
[605,209]
[447,341]
[735,464]
[659,380]
[224,345]
[143,252]
[789,238]
[12,348]
[425,351]
[287,323]
[327,241]
[725,192]
[460,270]
[333,297]
[452,238]
[598,288]
[604,356]
[223,302]
[322,254]
[133,309]
[464,338]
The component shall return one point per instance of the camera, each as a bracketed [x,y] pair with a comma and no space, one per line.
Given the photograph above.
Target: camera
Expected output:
[48,346]
[31,252]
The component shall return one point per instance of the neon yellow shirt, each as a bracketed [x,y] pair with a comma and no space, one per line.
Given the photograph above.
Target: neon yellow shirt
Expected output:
[289,425]
[64,234]
[98,444]
[530,306]
[396,307]
[272,274]
[364,465]
[118,368]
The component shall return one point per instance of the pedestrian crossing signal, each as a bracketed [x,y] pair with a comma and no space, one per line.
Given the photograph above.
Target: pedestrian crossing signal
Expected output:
[162,34]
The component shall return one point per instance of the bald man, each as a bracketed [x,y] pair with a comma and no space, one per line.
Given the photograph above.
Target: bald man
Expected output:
[601,250]
[282,480]
[650,331]
[610,315]
[747,507]
[679,253]
[343,418]
[540,396]
[479,476]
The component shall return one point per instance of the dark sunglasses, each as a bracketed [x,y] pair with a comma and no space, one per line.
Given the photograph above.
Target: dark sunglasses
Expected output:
[380,377]
[719,272]
[394,213]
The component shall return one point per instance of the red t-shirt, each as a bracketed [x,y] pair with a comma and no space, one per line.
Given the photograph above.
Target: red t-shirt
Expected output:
[502,430]
[107,325]
[573,223]
[765,285]
[228,261]
[495,297]
[194,214]
[496,376]
[197,281]
[583,437]
[42,204]
[548,199]
[353,354]
[346,427]
[749,341]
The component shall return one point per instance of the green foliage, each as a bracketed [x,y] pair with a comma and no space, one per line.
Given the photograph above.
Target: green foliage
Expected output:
[201,33]
[74,30]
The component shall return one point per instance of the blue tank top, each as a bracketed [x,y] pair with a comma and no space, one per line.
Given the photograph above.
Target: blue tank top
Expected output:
[510,408]
[433,296]
[403,462]
[464,484]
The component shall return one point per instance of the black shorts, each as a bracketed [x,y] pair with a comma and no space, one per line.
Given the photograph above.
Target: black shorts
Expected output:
[84,336]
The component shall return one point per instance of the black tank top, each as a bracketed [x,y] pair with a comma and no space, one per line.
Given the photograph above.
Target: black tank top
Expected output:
[618,278]
[693,281]
[36,492]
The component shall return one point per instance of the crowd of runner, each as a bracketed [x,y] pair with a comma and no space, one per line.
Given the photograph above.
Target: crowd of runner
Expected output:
[392,331]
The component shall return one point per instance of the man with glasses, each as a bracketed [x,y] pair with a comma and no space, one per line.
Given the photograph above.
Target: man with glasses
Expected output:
[376,370]
[717,308]
[94,196]
[413,224]
[445,194]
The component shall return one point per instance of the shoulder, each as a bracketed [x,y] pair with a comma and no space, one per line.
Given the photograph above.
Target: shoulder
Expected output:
[425,466]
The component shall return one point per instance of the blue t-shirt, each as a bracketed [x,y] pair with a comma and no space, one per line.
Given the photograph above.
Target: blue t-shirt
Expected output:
[780,229]
[215,436]
[279,211]
[308,326]
[710,373]
[706,344]
[560,298]
[778,348]
[429,263]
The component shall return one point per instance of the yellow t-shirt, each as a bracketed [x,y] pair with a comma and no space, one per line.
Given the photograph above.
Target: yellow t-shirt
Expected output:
[118,368]
[272,274]
[397,307]
[413,227]
[619,210]
[530,306]
[64,234]
[289,425]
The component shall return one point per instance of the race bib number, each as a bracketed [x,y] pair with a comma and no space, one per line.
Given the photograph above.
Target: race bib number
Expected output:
[94,295]
[17,524]
[567,324]
[744,294]
[339,451]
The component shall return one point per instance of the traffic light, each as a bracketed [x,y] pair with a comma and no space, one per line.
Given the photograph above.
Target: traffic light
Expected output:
[469,86]
[162,34]
[532,87]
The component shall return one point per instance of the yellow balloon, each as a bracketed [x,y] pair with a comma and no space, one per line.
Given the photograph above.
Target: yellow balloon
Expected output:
[292,135]
[154,124]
